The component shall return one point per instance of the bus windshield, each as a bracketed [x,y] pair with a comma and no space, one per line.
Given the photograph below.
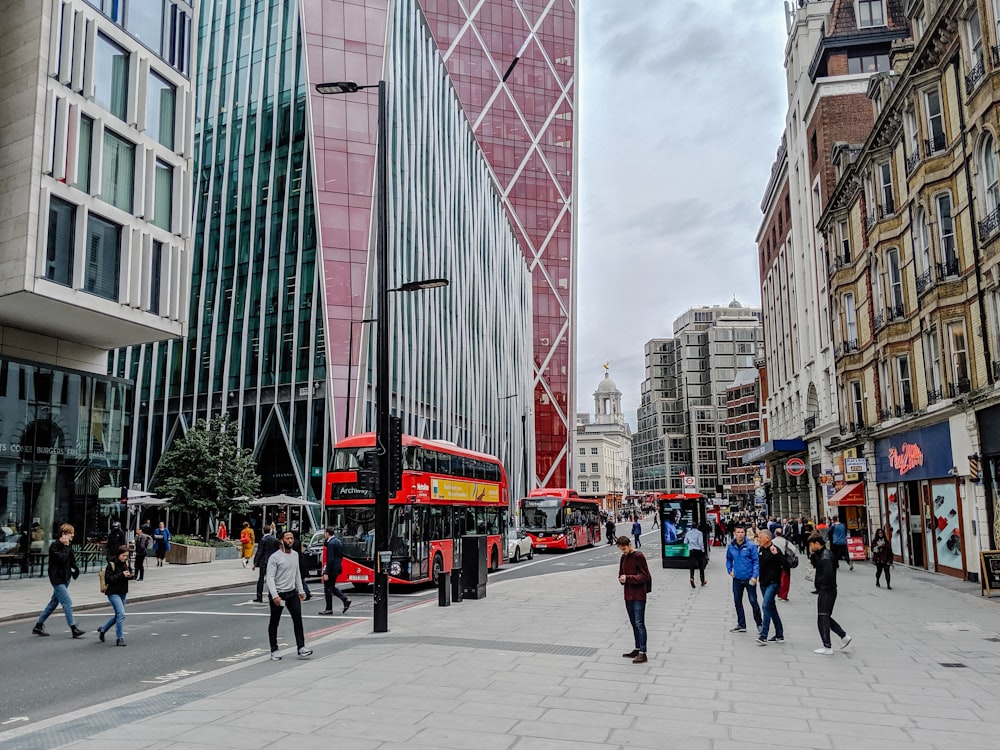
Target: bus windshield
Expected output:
[542,513]
[350,459]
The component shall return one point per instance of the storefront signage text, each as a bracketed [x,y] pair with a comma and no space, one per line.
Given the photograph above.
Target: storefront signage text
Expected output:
[907,458]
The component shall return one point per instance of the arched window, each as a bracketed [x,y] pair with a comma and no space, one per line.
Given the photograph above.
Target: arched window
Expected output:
[921,242]
[988,167]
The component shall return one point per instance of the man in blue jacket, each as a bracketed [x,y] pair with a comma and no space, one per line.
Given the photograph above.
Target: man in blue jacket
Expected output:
[838,544]
[743,566]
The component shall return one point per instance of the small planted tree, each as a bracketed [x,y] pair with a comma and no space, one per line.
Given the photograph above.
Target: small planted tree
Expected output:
[206,471]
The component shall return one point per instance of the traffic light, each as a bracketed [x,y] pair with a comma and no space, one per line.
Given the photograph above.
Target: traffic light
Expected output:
[395,454]
[368,472]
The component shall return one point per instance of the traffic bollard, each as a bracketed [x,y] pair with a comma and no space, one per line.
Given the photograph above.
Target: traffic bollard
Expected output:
[456,585]
[444,589]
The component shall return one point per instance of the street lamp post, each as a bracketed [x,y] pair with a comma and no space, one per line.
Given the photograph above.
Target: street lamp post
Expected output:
[383,554]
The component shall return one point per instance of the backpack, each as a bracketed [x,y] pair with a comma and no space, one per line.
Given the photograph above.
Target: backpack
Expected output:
[791,557]
[103,582]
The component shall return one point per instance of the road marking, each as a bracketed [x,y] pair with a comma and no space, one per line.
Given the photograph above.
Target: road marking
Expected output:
[244,655]
[14,720]
[171,676]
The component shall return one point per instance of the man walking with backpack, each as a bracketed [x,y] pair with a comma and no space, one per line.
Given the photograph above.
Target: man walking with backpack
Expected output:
[788,550]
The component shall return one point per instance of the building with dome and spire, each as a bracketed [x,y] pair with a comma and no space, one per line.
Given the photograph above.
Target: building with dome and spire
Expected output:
[604,447]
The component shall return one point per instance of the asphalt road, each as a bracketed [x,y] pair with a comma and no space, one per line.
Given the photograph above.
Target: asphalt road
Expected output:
[183,636]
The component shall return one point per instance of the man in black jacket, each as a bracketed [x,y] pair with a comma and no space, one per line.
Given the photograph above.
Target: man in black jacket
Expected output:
[268,545]
[772,563]
[332,570]
[62,569]
[826,586]
[116,538]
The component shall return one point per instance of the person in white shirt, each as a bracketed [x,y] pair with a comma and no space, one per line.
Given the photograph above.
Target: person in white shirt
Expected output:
[695,540]
[285,589]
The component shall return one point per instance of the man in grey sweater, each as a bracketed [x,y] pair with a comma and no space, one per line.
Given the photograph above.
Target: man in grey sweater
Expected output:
[284,587]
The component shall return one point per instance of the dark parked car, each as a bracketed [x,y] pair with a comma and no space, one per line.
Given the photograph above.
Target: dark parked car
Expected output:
[312,553]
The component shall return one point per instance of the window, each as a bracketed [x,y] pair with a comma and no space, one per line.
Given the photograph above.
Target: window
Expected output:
[959,356]
[144,21]
[119,171]
[594,469]
[884,172]
[583,451]
[975,39]
[870,13]
[932,356]
[155,277]
[850,321]
[857,404]
[844,240]
[178,39]
[593,451]
[921,242]
[903,384]
[61,242]
[160,98]
[110,76]
[877,298]
[83,160]
[935,120]
[583,486]
[946,233]
[103,254]
[583,468]
[912,134]
[885,397]
[867,63]
[895,278]
[163,193]
[597,486]
[988,168]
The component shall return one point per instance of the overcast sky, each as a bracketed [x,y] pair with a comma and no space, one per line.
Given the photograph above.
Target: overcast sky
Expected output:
[680,107]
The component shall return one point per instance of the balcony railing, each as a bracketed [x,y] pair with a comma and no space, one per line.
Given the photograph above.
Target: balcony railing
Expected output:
[958,388]
[838,350]
[851,345]
[989,226]
[933,396]
[995,53]
[809,425]
[894,312]
[851,427]
[974,76]
[884,415]
[996,370]
[923,281]
[887,209]
[871,220]
[948,268]
[912,161]
[906,408]
[879,321]
[934,144]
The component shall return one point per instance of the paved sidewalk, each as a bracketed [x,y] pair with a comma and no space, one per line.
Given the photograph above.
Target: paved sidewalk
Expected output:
[537,664]
[26,597]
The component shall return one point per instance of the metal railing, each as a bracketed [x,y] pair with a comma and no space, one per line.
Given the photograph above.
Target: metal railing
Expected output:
[934,395]
[879,321]
[934,144]
[923,281]
[989,225]
[851,345]
[974,76]
[996,370]
[948,268]
[912,161]
[887,209]
[884,415]
[894,312]
[958,388]
[906,408]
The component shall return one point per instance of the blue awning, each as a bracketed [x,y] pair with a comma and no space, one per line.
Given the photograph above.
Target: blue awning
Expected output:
[772,449]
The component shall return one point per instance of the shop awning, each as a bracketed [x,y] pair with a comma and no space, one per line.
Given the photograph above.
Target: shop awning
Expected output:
[849,494]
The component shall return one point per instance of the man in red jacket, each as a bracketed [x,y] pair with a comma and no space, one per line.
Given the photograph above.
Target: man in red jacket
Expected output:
[633,575]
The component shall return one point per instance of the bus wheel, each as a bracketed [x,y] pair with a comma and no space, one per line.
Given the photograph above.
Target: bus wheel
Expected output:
[437,568]
[494,561]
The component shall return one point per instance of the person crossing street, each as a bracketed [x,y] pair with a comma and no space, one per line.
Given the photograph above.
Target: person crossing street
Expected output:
[285,589]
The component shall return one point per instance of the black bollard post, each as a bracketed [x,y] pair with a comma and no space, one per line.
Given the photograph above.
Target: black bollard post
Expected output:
[456,585]
[444,589]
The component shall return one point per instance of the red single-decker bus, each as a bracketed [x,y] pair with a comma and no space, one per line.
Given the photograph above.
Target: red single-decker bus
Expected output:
[559,519]
[447,492]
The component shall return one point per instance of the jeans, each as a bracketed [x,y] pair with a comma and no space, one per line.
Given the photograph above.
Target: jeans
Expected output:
[739,585]
[294,606]
[638,541]
[118,618]
[637,616]
[330,590]
[824,616]
[698,563]
[771,612]
[60,595]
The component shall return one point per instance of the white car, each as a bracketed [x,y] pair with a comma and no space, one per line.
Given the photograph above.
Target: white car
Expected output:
[519,546]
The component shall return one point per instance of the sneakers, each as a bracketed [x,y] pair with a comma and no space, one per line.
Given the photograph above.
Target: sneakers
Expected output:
[776,639]
[845,642]
[761,640]
[692,583]
[275,656]
[824,650]
[640,659]
[347,605]
[325,612]
[100,634]
[304,652]
[39,629]
[77,633]
[738,629]
[120,642]
[631,654]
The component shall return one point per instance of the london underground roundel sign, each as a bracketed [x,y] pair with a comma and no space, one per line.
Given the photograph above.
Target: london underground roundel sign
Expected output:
[795,466]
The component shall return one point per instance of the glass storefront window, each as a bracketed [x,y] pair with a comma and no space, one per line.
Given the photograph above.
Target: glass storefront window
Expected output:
[944,525]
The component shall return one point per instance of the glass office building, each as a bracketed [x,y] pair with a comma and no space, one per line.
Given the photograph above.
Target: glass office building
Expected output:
[281,337]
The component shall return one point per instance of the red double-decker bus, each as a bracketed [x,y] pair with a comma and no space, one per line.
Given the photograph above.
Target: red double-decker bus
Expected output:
[558,518]
[447,492]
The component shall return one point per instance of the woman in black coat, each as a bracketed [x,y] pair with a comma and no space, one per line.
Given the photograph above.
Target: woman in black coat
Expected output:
[116,577]
[882,557]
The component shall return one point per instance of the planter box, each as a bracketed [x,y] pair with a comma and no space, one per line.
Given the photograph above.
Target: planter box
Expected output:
[227,553]
[182,554]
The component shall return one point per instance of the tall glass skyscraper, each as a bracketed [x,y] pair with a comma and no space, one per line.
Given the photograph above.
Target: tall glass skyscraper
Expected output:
[283,267]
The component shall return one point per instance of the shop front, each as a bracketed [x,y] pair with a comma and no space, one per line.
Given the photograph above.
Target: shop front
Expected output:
[920,499]
[848,505]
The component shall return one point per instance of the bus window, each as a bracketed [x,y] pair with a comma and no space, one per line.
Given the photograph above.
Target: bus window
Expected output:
[399,531]
[412,458]
[492,521]
[444,464]
[480,514]
[350,459]
[541,513]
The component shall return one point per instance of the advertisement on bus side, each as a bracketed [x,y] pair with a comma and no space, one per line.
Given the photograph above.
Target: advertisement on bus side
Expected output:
[461,491]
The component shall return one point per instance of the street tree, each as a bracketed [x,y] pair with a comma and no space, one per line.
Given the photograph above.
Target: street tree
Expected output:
[206,472]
